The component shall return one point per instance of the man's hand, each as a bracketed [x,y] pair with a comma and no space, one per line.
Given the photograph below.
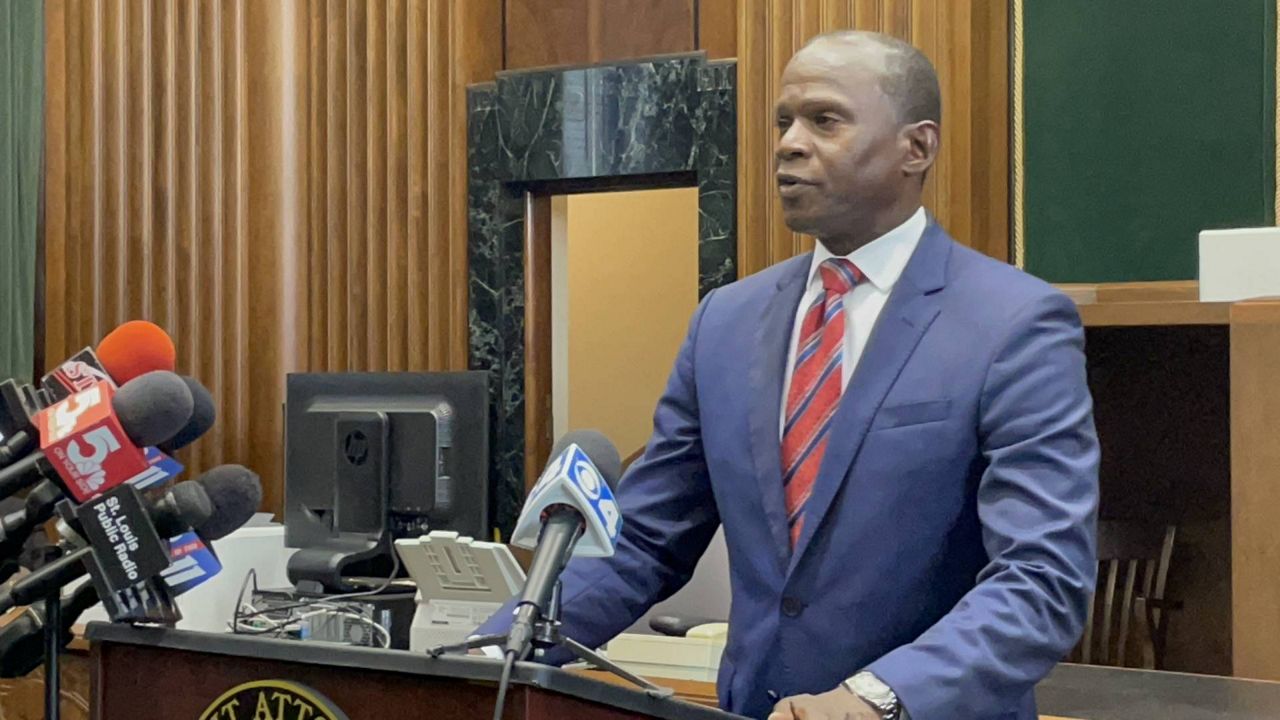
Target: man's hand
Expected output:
[838,704]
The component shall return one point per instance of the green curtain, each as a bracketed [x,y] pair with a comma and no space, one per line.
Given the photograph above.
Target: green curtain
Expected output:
[21,143]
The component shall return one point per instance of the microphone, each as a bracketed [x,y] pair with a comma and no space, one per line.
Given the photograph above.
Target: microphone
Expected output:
[232,490]
[17,526]
[17,428]
[570,511]
[123,531]
[90,441]
[203,416]
[236,493]
[131,350]
[16,408]
[22,641]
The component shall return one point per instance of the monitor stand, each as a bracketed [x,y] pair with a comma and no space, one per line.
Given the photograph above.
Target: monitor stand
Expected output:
[328,564]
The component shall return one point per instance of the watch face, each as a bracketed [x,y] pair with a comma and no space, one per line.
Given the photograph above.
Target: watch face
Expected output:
[874,691]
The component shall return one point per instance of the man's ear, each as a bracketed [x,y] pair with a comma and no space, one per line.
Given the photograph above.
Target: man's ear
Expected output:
[922,141]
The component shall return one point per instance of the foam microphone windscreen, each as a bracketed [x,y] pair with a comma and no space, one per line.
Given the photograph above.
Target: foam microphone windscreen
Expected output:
[187,505]
[236,493]
[153,407]
[603,453]
[203,415]
[134,349]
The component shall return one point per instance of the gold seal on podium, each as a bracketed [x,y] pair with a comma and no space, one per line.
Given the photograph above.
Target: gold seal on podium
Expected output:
[272,700]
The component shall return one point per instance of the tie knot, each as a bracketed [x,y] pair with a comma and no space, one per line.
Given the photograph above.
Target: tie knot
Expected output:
[839,275]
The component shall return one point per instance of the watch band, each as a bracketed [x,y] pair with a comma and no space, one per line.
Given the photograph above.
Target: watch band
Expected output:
[875,693]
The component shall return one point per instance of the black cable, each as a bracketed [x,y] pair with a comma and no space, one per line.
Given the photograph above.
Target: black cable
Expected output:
[238,616]
[503,685]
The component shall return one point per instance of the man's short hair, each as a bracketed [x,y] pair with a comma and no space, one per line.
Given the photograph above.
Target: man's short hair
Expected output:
[909,79]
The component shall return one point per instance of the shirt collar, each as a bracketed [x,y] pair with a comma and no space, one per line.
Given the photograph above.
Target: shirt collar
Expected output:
[882,260]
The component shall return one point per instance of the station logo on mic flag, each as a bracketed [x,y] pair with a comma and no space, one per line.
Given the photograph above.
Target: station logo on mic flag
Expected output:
[161,469]
[86,443]
[572,479]
[192,562]
[123,539]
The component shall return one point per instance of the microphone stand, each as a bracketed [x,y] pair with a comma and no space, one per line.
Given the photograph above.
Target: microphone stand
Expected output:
[52,651]
[547,635]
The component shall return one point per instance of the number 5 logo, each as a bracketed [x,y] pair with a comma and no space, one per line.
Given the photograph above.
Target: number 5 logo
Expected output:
[103,442]
[69,411]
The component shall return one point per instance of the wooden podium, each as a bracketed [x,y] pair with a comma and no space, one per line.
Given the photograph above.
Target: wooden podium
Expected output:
[158,674]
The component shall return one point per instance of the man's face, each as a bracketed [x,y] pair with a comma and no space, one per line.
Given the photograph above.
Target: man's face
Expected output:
[840,151]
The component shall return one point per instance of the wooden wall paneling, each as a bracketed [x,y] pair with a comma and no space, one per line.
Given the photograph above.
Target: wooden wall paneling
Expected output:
[434,260]
[636,28]
[109,145]
[162,166]
[989,141]
[718,28]
[418,273]
[273,312]
[317,185]
[478,55]
[336,86]
[135,100]
[923,29]
[186,187]
[397,185]
[232,344]
[545,32]
[756,130]
[57,100]
[376,156]
[387,178]
[359,317]
[967,41]
[541,33]
[282,186]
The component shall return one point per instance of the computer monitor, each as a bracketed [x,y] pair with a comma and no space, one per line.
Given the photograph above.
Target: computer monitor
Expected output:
[373,457]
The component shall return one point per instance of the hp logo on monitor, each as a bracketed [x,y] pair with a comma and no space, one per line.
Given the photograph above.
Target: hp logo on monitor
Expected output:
[356,448]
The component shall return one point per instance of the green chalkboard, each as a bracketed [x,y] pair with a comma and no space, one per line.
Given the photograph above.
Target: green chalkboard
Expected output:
[1145,122]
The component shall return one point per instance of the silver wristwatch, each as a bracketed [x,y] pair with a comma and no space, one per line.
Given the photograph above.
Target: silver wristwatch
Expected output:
[878,695]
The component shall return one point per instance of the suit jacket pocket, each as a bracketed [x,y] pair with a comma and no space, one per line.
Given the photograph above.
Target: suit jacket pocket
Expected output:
[916,413]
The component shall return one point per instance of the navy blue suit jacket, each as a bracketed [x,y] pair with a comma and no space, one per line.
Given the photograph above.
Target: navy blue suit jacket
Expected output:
[949,545]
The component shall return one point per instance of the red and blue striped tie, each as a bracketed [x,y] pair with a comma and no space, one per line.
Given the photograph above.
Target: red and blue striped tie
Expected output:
[815,388]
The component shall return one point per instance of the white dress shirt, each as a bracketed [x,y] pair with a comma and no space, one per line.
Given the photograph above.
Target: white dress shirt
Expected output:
[881,261]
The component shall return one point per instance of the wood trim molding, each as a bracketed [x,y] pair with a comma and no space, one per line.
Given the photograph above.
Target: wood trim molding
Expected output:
[1017,192]
[1255,465]
[537,336]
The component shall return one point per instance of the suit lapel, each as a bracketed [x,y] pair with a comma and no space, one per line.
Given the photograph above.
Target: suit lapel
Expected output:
[768,364]
[910,309]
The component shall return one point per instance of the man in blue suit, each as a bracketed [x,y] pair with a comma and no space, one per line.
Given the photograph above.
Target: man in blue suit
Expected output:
[895,432]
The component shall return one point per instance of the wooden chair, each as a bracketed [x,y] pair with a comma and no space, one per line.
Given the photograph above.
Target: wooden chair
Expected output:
[1127,619]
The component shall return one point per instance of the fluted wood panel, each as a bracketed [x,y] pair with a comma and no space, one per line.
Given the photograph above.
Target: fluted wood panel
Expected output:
[386,178]
[149,193]
[280,185]
[967,42]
